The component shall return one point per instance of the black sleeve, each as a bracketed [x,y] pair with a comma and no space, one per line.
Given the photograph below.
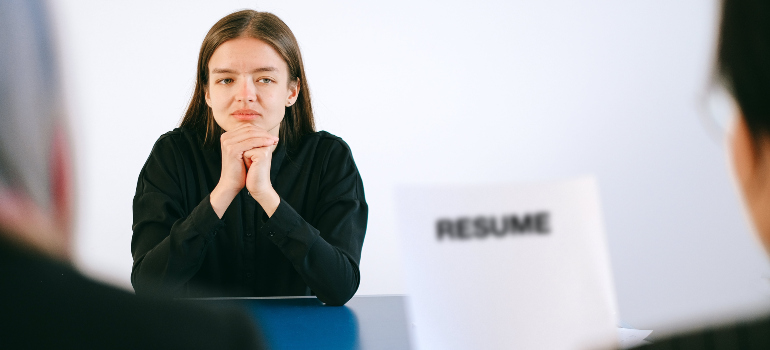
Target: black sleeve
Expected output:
[326,251]
[169,241]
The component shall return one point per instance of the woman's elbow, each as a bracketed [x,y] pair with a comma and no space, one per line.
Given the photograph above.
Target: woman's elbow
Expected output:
[336,299]
[142,286]
[146,285]
[342,295]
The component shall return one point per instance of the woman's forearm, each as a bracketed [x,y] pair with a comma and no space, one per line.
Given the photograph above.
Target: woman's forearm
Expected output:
[168,252]
[221,198]
[325,256]
[331,274]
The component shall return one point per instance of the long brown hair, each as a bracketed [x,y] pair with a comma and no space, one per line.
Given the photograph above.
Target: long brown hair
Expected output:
[265,26]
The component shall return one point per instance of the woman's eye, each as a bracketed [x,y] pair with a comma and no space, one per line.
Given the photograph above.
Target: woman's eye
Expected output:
[225,81]
[265,80]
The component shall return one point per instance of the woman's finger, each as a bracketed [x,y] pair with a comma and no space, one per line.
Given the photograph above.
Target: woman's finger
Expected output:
[254,155]
[234,149]
[258,169]
[258,152]
[246,132]
[248,144]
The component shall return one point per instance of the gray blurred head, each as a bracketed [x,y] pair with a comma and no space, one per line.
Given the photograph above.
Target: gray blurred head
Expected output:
[30,105]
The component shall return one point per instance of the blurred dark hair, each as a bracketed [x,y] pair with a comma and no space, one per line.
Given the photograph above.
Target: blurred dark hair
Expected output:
[743,60]
[298,120]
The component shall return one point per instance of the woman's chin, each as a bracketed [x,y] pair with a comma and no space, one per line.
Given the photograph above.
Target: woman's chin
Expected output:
[237,124]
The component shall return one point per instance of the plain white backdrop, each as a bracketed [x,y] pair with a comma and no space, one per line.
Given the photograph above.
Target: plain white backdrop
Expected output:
[454,93]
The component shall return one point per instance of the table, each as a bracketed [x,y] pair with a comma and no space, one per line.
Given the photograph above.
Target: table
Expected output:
[365,322]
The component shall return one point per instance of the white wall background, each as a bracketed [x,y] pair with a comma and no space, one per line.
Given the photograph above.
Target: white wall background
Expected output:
[452,92]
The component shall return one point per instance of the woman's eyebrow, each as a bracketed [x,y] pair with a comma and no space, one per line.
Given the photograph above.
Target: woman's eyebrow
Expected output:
[222,70]
[231,71]
[265,69]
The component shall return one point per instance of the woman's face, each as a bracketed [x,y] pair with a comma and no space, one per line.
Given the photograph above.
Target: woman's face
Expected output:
[249,84]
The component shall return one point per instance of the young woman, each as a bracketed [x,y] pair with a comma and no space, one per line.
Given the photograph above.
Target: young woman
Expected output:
[245,198]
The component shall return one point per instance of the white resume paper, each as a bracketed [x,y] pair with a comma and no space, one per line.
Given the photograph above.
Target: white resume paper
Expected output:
[506,266]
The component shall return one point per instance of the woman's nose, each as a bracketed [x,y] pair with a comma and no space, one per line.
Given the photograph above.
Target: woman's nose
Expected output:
[248,91]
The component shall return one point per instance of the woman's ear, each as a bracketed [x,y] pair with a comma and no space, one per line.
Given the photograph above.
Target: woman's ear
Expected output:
[751,164]
[743,152]
[62,193]
[293,92]
[27,224]
[207,96]
[45,227]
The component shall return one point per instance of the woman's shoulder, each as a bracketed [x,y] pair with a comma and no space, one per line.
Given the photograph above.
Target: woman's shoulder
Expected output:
[179,138]
[177,146]
[323,139]
[180,134]
[321,147]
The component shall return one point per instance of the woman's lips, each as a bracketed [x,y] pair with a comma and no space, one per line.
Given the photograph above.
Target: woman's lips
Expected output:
[245,114]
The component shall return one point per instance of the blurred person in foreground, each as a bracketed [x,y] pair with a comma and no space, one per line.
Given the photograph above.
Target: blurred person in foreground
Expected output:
[743,70]
[44,302]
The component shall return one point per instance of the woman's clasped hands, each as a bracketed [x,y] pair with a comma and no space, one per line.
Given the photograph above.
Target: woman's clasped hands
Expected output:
[246,156]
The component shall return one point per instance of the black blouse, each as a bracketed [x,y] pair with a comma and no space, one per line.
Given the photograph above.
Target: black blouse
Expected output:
[311,245]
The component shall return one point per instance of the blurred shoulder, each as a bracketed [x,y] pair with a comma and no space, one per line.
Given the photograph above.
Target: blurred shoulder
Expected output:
[77,312]
[754,334]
